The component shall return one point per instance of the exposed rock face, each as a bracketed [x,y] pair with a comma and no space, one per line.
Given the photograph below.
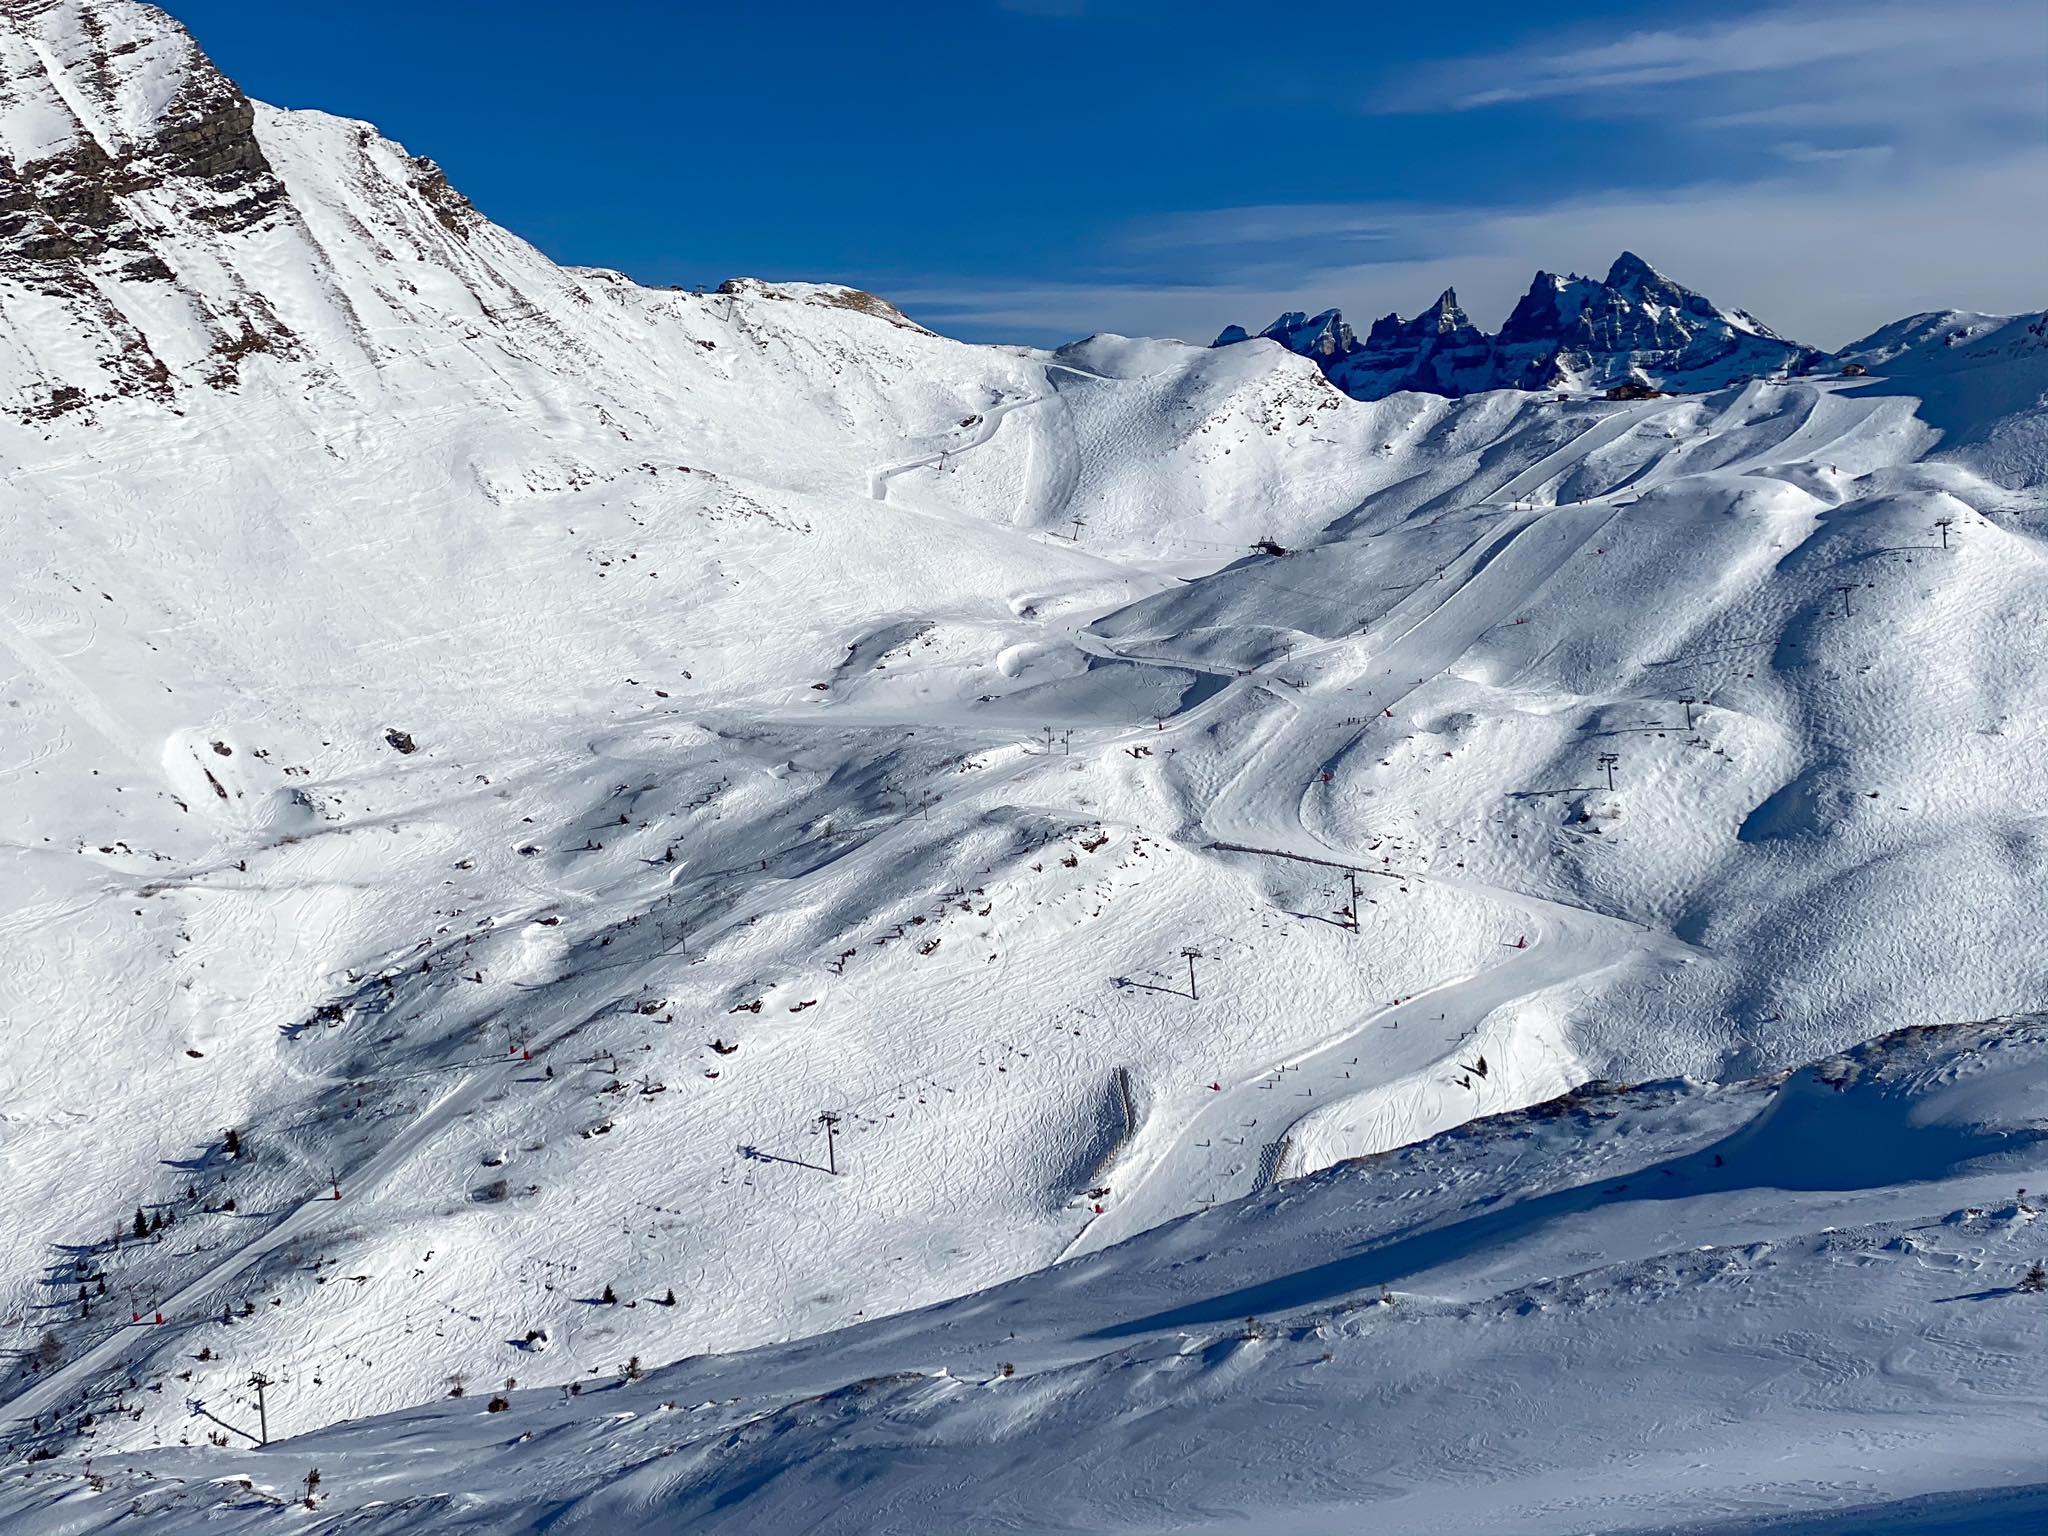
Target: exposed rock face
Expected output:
[99,104]
[456,213]
[1635,326]
[835,294]
[1440,351]
[114,128]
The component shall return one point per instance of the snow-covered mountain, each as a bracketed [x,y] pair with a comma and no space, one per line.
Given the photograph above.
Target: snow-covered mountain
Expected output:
[1635,327]
[516,748]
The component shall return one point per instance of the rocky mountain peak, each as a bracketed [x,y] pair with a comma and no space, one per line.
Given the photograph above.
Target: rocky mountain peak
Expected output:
[104,100]
[1630,271]
[116,133]
[1567,332]
[168,231]
[1445,316]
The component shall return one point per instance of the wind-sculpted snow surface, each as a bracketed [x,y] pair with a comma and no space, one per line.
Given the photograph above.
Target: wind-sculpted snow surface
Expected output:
[516,748]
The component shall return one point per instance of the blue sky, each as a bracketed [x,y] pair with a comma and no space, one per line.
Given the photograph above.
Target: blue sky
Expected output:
[1032,170]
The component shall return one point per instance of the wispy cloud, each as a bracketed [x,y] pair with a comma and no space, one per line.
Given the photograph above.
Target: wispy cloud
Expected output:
[1767,42]
[1912,75]
[1823,263]
[1847,164]
[1800,153]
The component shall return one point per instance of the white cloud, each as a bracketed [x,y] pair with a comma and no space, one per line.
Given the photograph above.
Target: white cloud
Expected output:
[1825,47]
[1765,42]
[1869,160]
[1821,263]
[1930,81]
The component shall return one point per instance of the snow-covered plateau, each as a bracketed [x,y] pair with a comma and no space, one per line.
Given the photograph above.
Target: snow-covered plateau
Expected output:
[712,911]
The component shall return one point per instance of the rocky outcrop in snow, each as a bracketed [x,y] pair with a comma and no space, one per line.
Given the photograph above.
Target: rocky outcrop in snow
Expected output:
[100,104]
[117,138]
[1633,327]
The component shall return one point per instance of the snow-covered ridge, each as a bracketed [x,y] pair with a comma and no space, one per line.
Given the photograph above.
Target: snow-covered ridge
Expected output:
[1633,329]
[837,295]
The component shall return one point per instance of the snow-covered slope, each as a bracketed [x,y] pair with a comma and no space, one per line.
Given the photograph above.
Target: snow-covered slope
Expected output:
[1634,328]
[1982,380]
[517,747]
[1794,1304]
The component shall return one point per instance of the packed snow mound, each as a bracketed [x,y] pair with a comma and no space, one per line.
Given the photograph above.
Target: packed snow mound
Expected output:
[1635,327]
[1549,1320]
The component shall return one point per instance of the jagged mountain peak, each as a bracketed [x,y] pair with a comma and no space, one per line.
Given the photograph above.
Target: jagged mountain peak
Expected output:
[119,92]
[1323,335]
[121,147]
[1630,270]
[1446,315]
[1634,326]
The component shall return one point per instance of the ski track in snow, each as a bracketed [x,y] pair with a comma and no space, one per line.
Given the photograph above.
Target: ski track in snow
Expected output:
[1568,943]
[1243,1136]
[1249,1121]
[1163,1191]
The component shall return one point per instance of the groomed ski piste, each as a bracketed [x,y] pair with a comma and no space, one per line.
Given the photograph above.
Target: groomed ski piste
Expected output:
[518,748]
[1797,1304]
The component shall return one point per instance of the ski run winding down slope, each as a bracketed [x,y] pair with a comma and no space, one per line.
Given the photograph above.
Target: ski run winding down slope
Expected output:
[517,747]
[1549,1320]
